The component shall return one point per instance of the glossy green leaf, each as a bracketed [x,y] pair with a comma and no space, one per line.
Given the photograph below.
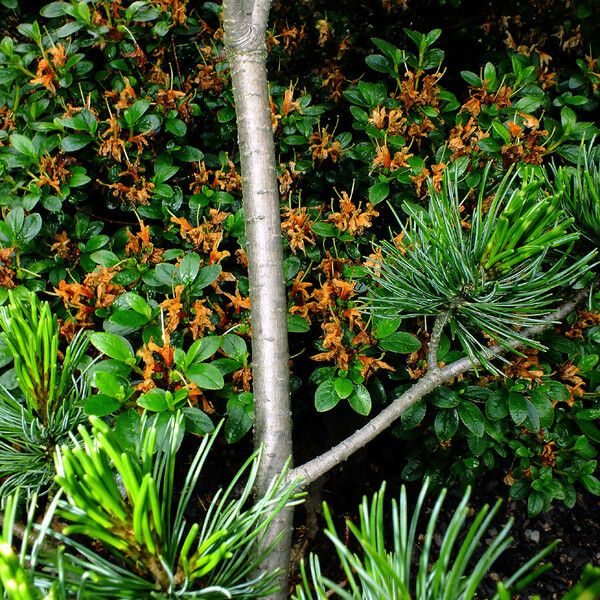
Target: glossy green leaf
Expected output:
[472,418]
[113,346]
[326,397]
[360,400]
[205,376]
[343,387]
[401,342]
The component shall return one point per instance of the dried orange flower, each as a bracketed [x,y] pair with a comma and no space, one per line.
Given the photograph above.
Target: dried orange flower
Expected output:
[350,218]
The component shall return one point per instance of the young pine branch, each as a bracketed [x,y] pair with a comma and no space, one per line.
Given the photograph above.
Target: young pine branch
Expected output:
[434,378]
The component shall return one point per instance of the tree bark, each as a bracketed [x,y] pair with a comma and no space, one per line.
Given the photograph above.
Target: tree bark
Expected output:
[245,26]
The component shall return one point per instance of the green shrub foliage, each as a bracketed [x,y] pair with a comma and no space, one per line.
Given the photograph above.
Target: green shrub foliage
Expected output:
[121,204]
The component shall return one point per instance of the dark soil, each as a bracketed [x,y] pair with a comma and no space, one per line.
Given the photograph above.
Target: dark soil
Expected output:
[577,528]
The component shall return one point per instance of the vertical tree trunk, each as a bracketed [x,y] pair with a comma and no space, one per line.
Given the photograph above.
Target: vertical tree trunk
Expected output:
[245,25]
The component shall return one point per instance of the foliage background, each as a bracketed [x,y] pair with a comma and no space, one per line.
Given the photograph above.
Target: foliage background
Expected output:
[121,199]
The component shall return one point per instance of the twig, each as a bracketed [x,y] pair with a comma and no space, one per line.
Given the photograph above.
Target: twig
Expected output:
[434,341]
[20,531]
[320,465]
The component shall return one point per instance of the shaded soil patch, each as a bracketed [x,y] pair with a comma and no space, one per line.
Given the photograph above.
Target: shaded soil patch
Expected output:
[577,528]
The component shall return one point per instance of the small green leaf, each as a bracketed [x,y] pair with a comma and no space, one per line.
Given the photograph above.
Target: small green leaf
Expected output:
[106,258]
[325,229]
[135,112]
[196,421]
[471,78]
[77,141]
[23,145]
[108,384]
[136,303]
[444,397]
[401,342]
[234,347]
[177,127]
[100,405]
[205,277]
[343,387]
[496,407]
[379,192]
[382,328]
[360,400]
[202,349]
[297,324]
[588,414]
[379,63]
[113,346]
[189,268]
[535,503]
[190,154]
[446,424]
[517,405]
[206,377]
[240,416]
[79,179]
[591,484]
[414,414]
[326,397]
[472,418]
[154,400]
[226,114]
[534,417]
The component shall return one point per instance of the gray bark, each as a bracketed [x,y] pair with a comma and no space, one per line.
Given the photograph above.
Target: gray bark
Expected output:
[245,25]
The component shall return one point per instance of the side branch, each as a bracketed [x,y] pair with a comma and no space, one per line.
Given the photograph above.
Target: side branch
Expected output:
[320,465]
[434,341]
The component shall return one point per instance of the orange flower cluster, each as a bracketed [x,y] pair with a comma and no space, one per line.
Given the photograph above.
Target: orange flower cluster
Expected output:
[332,302]
[287,37]
[54,171]
[226,179]
[288,178]
[333,79]
[435,176]
[394,121]
[479,96]
[96,291]
[568,373]
[177,9]
[296,226]
[208,78]
[384,159]
[526,147]
[350,218]
[139,245]
[207,236]
[416,91]
[525,367]
[46,69]
[463,139]
[288,105]
[123,99]
[65,248]
[6,273]
[323,147]
[585,320]
[170,99]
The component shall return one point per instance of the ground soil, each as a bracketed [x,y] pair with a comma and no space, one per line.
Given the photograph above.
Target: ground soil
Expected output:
[577,528]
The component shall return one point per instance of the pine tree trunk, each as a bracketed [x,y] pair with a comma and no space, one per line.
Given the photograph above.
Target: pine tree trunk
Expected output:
[245,29]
